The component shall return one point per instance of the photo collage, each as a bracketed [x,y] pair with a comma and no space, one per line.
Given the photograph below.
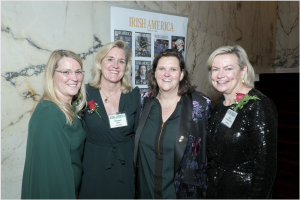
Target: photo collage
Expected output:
[145,48]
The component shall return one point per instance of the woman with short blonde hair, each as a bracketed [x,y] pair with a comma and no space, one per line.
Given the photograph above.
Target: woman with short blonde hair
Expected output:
[242,132]
[242,61]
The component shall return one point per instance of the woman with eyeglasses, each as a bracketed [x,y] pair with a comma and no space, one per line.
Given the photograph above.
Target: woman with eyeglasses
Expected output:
[53,167]
[110,121]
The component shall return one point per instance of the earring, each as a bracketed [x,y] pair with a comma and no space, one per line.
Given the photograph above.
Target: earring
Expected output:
[243,80]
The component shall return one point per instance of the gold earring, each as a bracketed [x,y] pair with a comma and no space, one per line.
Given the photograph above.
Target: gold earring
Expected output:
[243,80]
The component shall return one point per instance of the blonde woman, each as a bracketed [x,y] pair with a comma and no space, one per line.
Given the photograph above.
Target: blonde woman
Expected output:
[242,131]
[110,122]
[55,141]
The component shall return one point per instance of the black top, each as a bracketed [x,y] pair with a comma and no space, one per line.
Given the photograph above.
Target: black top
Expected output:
[140,81]
[108,171]
[155,179]
[242,159]
[190,144]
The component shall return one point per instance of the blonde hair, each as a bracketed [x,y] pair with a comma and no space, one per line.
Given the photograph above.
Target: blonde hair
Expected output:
[242,61]
[179,42]
[96,72]
[49,90]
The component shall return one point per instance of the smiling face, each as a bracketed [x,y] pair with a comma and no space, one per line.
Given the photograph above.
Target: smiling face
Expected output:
[67,87]
[168,74]
[113,66]
[143,70]
[226,74]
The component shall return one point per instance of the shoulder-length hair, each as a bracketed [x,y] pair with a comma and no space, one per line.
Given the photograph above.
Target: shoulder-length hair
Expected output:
[243,61]
[96,72]
[49,90]
[140,66]
[185,85]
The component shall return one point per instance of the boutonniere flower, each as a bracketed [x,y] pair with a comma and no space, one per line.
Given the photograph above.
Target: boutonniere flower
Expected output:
[93,107]
[241,99]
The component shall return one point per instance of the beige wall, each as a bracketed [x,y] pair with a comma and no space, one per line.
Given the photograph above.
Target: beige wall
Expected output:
[32,30]
[287,37]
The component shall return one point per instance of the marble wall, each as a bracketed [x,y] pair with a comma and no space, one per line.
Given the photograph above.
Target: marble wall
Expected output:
[287,37]
[30,31]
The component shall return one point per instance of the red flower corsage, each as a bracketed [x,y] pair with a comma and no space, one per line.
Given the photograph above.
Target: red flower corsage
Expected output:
[241,99]
[93,107]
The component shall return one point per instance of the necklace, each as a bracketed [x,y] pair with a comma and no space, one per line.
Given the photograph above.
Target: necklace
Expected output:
[171,105]
[106,100]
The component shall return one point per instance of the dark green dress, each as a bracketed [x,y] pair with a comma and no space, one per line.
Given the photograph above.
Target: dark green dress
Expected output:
[155,178]
[54,150]
[108,170]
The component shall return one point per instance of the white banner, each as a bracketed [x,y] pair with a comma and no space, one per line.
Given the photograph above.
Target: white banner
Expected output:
[147,33]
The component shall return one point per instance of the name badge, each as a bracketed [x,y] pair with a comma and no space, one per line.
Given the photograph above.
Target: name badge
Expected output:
[229,118]
[118,120]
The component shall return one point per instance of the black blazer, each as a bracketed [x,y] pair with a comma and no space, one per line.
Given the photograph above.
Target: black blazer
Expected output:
[190,148]
[139,81]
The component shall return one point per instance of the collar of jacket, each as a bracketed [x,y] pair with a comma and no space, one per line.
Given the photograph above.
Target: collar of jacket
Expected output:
[183,127]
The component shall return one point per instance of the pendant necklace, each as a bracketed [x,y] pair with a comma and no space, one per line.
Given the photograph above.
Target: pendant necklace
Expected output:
[171,105]
[106,100]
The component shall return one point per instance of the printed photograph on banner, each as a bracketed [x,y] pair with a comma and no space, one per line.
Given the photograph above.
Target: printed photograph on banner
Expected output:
[161,42]
[141,69]
[144,92]
[178,43]
[125,36]
[142,44]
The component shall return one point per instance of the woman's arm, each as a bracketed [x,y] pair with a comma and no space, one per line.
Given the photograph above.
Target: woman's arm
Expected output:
[48,172]
[138,102]
[263,121]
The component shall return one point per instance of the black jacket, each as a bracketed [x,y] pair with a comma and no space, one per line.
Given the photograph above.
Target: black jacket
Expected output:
[190,154]
[243,158]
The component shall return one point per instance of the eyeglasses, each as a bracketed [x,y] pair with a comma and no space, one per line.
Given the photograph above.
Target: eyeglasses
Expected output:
[69,73]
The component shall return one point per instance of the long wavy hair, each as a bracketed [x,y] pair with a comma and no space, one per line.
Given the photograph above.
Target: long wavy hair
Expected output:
[49,89]
[185,85]
[96,72]
[243,61]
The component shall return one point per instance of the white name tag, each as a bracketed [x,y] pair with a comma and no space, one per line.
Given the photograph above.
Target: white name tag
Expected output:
[118,120]
[229,118]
